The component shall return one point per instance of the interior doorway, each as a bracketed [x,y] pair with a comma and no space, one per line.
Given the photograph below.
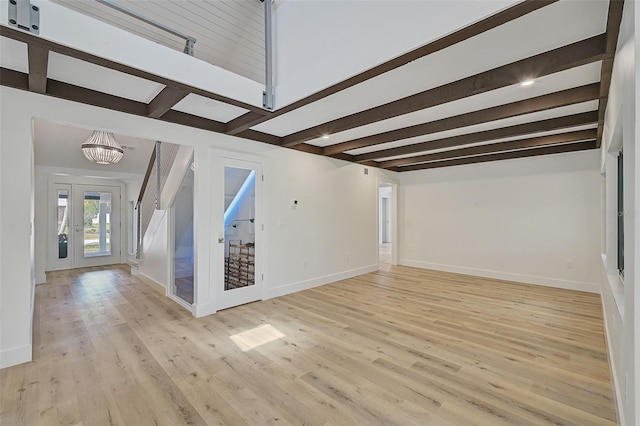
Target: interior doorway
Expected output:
[238,238]
[386,225]
[86,229]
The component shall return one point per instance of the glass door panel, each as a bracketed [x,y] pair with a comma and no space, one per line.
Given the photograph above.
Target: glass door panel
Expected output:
[62,223]
[237,210]
[97,223]
[183,248]
[239,230]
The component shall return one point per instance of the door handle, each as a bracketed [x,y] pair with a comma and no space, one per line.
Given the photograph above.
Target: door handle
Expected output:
[220,239]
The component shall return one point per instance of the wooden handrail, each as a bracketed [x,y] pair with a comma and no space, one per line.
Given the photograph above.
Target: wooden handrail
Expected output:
[152,161]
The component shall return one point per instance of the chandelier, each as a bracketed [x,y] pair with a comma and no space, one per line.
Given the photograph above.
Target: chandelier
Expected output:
[101,147]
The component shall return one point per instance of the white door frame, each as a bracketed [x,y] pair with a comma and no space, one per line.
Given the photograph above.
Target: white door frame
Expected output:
[79,259]
[55,182]
[226,299]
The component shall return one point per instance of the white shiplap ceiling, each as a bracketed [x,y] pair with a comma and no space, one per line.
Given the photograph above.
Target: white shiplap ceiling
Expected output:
[229,33]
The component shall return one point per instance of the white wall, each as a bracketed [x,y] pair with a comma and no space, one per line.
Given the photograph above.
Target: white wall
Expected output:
[310,61]
[155,258]
[521,220]
[334,229]
[621,298]
[16,223]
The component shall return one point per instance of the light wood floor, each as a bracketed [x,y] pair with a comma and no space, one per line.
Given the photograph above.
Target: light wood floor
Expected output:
[404,346]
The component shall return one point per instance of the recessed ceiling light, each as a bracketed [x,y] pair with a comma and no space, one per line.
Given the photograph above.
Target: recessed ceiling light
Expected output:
[325,136]
[526,83]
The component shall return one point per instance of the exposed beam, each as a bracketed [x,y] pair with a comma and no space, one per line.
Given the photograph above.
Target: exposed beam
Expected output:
[557,149]
[15,79]
[562,138]
[189,120]
[67,91]
[245,122]
[78,94]
[573,55]
[614,18]
[33,40]
[249,120]
[38,65]
[164,101]
[551,124]
[526,106]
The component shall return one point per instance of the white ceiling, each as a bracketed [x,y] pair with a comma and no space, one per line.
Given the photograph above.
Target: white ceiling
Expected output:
[58,145]
[83,74]
[568,79]
[550,27]
[208,108]
[554,26]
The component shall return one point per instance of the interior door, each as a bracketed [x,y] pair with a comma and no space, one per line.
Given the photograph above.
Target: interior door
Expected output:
[96,229]
[385,220]
[237,225]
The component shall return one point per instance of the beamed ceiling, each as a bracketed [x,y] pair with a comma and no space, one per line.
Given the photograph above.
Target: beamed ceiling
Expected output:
[457,100]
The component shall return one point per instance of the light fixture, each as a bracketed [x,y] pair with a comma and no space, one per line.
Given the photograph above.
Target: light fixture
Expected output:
[101,147]
[528,82]
[326,136]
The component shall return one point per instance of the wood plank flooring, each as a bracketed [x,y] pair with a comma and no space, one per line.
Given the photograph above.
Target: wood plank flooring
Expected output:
[400,346]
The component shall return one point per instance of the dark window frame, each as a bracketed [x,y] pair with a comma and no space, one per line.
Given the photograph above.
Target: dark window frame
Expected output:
[620,214]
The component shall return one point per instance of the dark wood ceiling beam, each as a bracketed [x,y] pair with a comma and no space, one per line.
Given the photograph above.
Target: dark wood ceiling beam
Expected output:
[32,40]
[557,149]
[526,106]
[562,138]
[164,101]
[245,122]
[69,92]
[58,89]
[551,124]
[614,18]
[38,57]
[194,121]
[570,56]
[249,120]
[15,79]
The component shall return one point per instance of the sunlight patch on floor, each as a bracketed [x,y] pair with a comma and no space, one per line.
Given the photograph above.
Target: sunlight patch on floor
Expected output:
[258,336]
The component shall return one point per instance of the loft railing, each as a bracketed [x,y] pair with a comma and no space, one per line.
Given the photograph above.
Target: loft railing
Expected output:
[190,41]
[149,199]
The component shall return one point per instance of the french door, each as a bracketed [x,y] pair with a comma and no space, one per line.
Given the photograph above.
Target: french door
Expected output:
[96,225]
[237,225]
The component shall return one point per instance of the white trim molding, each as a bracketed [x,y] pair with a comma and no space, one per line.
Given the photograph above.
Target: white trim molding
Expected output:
[507,276]
[316,282]
[15,356]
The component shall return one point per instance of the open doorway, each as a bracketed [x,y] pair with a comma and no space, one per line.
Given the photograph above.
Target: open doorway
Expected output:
[386,220]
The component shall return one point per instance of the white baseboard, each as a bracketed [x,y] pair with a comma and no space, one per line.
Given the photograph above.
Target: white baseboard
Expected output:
[614,376]
[315,282]
[41,278]
[15,356]
[203,310]
[506,276]
[149,281]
